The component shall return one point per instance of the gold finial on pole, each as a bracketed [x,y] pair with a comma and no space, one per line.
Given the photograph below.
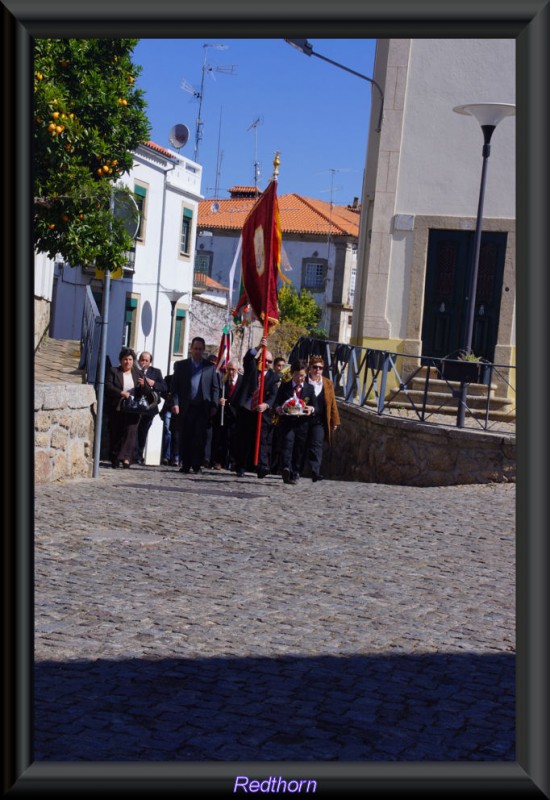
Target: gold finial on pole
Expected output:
[276,162]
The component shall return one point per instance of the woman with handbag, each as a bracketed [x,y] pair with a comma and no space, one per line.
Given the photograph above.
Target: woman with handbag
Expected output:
[122,383]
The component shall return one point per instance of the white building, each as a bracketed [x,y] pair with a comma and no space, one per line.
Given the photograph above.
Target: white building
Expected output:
[167,188]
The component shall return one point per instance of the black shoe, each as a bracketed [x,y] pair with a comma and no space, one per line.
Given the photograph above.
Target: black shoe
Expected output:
[287,476]
[165,462]
[140,461]
[126,465]
[240,473]
[196,470]
[316,478]
[262,473]
[184,469]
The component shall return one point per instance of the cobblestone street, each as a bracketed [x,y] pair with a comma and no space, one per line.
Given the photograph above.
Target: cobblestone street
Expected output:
[210,618]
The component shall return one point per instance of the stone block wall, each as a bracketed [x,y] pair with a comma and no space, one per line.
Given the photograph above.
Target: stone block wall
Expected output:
[391,450]
[64,420]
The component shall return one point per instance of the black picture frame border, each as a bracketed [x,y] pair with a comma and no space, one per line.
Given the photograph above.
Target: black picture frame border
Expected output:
[527,21]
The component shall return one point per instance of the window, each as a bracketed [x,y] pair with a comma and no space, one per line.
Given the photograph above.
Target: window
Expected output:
[185,238]
[314,275]
[179,331]
[130,316]
[140,196]
[203,263]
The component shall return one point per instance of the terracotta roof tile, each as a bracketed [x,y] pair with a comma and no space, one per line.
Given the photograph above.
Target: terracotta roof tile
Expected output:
[162,150]
[202,281]
[300,215]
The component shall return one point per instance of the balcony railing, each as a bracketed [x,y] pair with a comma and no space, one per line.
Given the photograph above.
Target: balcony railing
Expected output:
[423,388]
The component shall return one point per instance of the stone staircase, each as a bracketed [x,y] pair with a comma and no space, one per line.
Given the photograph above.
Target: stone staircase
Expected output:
[442,397]
[56,361]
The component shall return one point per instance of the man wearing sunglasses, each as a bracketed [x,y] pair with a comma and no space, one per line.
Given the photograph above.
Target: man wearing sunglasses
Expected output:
[248,409]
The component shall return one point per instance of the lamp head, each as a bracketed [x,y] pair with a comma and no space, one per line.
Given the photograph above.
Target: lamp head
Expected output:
[301,44]
[487,113]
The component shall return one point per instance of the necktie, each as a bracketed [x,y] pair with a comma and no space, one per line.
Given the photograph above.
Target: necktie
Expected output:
[298,390]
[231,388]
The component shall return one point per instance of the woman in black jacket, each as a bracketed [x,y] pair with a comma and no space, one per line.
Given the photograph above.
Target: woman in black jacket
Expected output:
[122,381]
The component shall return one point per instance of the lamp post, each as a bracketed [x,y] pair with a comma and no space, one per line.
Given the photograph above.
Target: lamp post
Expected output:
[488,115]
[173,296]
[305,47]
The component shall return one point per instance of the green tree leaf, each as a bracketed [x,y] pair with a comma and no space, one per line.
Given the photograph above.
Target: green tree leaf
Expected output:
[88,118]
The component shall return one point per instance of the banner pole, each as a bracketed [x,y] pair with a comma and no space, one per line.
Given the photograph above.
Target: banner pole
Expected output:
[274,177]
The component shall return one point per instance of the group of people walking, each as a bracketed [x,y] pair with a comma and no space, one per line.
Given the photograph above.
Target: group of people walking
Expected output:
[217,418]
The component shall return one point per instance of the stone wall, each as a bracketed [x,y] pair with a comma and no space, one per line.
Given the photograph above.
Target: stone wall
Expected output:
[64,420]
[390,450]
[41,319]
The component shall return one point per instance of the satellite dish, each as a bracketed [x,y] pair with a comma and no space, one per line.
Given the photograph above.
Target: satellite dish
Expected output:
[215,207]
[126,209]
[179,136]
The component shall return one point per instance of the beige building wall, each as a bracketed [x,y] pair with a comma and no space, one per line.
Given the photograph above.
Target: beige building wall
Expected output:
[423,172]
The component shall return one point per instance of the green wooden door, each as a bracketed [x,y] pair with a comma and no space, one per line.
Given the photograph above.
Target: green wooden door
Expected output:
[449,262]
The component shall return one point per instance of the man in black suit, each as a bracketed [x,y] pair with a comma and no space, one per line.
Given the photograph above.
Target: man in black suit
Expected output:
[249,408]
[151,376]
[195,391]
[224,427]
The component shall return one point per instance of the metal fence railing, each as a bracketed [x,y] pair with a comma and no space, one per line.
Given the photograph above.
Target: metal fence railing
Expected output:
[90,337]
[429,390]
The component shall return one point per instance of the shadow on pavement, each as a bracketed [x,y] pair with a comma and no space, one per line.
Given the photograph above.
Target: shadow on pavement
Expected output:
[438,707]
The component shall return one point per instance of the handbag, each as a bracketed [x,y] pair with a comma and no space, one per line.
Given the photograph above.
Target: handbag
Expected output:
[144,404]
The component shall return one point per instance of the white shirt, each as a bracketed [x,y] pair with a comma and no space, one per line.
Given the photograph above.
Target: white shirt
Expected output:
[317,385]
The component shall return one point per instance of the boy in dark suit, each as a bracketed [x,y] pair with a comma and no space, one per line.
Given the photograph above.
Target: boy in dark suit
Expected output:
[294,428]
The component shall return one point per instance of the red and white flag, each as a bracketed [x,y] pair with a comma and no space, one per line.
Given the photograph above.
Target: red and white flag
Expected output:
[261,256]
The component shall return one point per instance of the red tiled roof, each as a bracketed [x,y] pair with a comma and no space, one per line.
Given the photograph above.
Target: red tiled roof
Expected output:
[301,215]
[162,150]
[203,281]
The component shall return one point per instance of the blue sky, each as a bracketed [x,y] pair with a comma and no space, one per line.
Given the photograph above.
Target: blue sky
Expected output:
[314,113]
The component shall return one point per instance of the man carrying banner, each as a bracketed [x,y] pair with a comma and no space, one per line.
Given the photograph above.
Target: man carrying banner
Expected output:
[252,413]
[261,256]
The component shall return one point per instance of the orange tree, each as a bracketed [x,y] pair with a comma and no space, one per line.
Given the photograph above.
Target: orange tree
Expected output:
[88,117]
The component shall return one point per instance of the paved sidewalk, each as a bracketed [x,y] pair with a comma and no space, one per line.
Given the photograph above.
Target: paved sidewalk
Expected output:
[210,618]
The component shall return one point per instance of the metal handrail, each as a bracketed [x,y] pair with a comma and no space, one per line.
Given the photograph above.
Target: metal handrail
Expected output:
[90,337]
[388,382]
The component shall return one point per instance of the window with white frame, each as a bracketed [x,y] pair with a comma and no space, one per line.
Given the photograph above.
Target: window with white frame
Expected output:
[314,271]
[185,236]
[140,196]
[179,332]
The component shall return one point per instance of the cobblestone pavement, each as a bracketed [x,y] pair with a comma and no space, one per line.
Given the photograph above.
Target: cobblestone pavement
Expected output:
[210,618]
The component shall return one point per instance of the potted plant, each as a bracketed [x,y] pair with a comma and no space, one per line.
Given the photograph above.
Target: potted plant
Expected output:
[465,367]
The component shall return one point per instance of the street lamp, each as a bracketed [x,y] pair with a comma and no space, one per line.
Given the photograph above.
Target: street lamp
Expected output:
[173,296]
[306,47]
[488,115]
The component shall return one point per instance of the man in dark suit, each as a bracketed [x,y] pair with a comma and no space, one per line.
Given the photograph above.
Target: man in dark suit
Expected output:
[151,376]
[195,391]
[224,426]
[249,408]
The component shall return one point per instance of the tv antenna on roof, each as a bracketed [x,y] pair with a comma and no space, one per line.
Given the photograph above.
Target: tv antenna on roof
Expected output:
[227,69]
[254,124]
